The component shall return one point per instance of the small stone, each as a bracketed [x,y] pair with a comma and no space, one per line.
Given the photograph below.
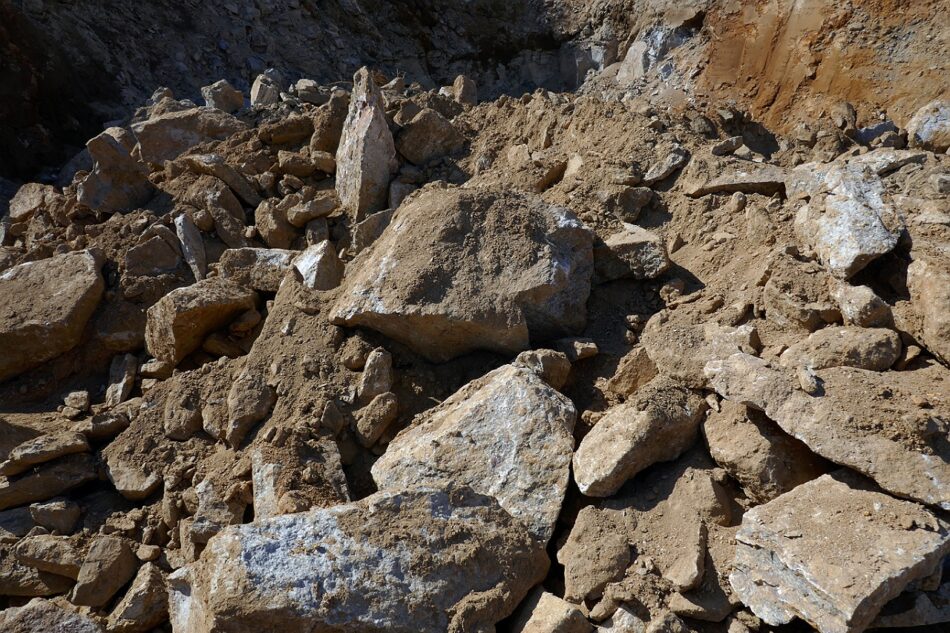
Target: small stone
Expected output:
[78,400]
[319,267]
[121,379]
[59,516]
[373,419]
[109,564]
[377,375]
[223,96]
[728,146]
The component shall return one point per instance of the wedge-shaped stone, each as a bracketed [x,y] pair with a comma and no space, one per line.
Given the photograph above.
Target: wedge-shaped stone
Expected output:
[46,305]
[47,481]
[865,420]
[833,555]
[42,449]
[401,562]
[507,434]
[465,269]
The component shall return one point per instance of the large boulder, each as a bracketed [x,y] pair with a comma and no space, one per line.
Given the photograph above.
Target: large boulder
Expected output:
[872,422]
[875,349]
[465,269]
[366,157]
[43,615]
[166,136]
[179,322]
[928,280]
[46,305]
[507,434]
[428,136]
[417,561]
[833,555]
[117,181]
[929,128]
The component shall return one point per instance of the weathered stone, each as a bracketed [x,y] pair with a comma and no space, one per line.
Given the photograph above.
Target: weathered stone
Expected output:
[447,277]
[273,226]
[833,555]
[150,258]
[634,370]
[544,612]
[179,321]
[597,552]
[121,379]
[849,220]
[215,165]
[53,554]
[166,136]
[665,168]
[42,615]
[228,219]
[266,89]
[109,564]
[862,419]
[860,306]
[47,481]
[928,280]
[659,424]
[634,252]
[929,128]
[319,266]
[250,399]
[551,366]
[729,175]
[29,199]
[309,91]
[328,123]
[127,474]
[373,419]
[428,136]
[507,434]
[117,181]
[875,349]
[77,400]
[223,96]
[145,604]
[42,449]
[14,523]
[797,294]
[57,515]
[192,245]
[215,511]
[321,205]
[45,309]
[766,461]
[366,157]
[424,585]
[259,268]
[464,90]
[727,146]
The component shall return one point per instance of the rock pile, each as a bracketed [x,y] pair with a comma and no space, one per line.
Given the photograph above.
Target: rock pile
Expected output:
[374,359]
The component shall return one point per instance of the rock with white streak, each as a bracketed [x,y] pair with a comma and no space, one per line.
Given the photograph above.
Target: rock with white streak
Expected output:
[395,561]
[258,268]
[366,157]
[452,274]
[865,420]
[929,128]
[319,267]
[507,434]
[657,425]
[833,555]
[43,615]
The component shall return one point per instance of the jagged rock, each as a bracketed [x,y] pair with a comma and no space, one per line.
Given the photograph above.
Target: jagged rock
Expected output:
[623,621]
[445,290]
[117,181]
[860,306]
[806,554]
[152,257]
[29,199]
[634,252]
[424,585]
[179,321]
[250,399]
[215,165]
[42,615]
[45,309]
[507,434]
[464,90]
[929,128]
[328,123]
[259,268]
[127,474]
[42,449]
[275,230]
[727,146]
[634,370]
[928,280]
[875,349]
[17,579]
[53,554]
[662,170]
[181,417]
[57,515]
[373,419]
[551,366]
[729,175]
[366,156]
[765,460]
[145,604]
[215,511]
[862,419]
[109,564]
[309,91]
[849,220]
[192,246]
[223,96]
[428,136]
[48,481]
[121,379]
[321,205]
[266,88]
[215,197]
[544,612]
[166,136]
[597,552]
[797,293]
[319,266]
[657,425]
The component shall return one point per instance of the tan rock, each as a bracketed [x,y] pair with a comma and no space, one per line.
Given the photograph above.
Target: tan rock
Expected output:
[166,136]
[43,615]
[428,136]
[145,604]
[109,564]
[48,481]
[42,449]
[597,552]
[544,612]
[874,349]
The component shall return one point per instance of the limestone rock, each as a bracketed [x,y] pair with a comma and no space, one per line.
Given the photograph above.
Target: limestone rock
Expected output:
[875,349]
[45,309]
[215,197]
[266,89]
[17,579]
[259,268]
[928,280]
[729,175]
[544,612]
[464,90]
[192,245]
[862,419]
[275,230]
[180,321]
[117,181]
[42,449]
[366,156]
[659,424]
[634,252]
[806,554]
[215,165]
[634,370]
[766,461]
[166,136]
[109,564]
[47,481]
[43,615]
[29,199]
[121,379]
[662,170]
[929,128]
[597,552]
[319,266]
[57,515]
[53,554]
[127,474]
[507,434]
[153,257]
[551,366]
[145,604]
[860,306]
[451,274]
[285,573]
[428,136]
[250,399]
[373,419]
[223,96]
[215,511]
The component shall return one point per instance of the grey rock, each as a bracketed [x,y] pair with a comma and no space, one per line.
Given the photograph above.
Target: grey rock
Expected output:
[259,268]
[634,252]
[42,615]
[117,181]
[875,349]
[929,128]
[48,481]
[166,136]
[319,267]
[192,246]
[223,96]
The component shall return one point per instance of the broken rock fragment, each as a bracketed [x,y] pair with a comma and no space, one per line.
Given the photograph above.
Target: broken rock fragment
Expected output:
[875,349]
[285,573]
[145,604]
[47,481]
[428,136]
[109,564]
[42,449]
[451,274]
[43,615]
[544,612]
[634,252]
[223,96]
[507,434]
[833,555]
[166,136]
[258,268]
